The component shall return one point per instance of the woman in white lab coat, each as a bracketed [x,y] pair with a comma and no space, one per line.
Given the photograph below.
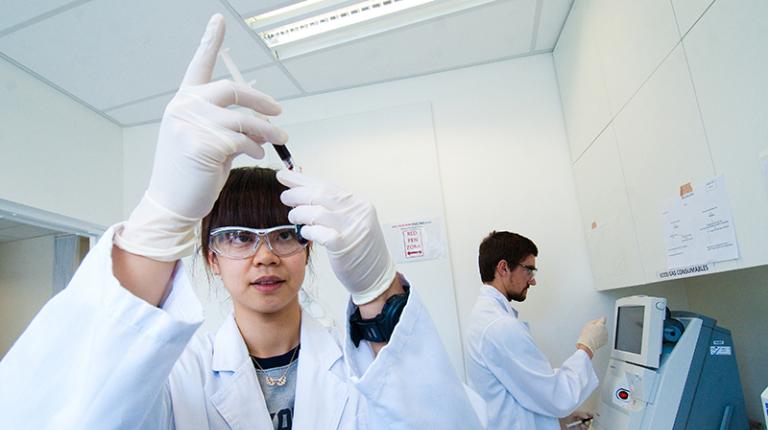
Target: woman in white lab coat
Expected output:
[116,348]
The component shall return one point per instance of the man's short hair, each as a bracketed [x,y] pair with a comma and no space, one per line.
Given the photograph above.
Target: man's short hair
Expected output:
[503,245]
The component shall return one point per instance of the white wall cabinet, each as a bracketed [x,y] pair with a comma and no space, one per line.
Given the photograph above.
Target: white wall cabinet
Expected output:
[606,214]
[580,77]
[728,61]
[687,100]
[635,38]
[662,146]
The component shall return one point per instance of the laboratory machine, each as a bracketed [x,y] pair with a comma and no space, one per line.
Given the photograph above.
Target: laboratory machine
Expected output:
[669,371]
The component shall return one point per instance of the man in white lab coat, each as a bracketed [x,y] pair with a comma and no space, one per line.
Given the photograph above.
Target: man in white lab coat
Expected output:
[505,367]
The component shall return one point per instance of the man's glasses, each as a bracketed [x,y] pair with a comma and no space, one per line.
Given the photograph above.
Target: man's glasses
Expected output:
[530,269]
[240,243]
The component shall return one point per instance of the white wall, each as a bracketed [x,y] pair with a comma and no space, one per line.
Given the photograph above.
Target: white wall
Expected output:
[57,155]
[655,94]
[26,283]
[503,163]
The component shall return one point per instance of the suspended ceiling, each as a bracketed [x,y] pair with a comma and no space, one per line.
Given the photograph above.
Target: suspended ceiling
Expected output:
[124,59]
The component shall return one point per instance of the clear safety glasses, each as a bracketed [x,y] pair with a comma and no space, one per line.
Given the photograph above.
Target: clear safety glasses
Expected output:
[242,242]
[530,270]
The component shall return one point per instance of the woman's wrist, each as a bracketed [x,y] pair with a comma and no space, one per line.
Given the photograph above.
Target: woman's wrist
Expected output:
[374,307]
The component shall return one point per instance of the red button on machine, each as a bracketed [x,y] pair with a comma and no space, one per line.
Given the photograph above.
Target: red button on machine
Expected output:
[622,394]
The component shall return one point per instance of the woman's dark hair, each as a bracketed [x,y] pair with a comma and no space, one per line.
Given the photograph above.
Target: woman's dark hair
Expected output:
[250,198]
[503,245]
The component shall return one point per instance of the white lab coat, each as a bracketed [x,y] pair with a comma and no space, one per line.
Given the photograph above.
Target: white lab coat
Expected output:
[521,389]
[97,357]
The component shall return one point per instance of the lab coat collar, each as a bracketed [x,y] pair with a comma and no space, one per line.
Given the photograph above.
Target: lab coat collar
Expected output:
[318,343]
[495,295]
[240,386]
[321,390]
[229,350]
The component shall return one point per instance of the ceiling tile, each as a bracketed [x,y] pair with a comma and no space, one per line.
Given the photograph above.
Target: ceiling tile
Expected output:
[16,12]
[125,59]
[140,112]
[112,52]
[553,15]
[270,80]
[486,33]
[273,81]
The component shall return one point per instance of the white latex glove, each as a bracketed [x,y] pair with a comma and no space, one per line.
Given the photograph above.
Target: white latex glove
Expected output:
[594,335]
[198,139]
[349,230]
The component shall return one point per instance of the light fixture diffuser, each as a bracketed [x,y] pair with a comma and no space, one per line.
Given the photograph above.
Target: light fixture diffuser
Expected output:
[334,20]
[316,24]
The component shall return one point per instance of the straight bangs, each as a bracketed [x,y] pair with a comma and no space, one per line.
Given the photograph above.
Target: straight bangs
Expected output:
[250,198]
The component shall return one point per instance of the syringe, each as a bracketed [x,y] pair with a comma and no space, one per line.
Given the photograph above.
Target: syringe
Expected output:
[282,150]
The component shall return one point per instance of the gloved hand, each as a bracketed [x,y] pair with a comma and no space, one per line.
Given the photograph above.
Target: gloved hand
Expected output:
[593,335]
[349,230]
[198,139]
[576,421]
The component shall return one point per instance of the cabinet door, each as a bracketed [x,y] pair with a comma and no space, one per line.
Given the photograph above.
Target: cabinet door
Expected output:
[662,145]
[637,37]
[688,12]
[606,216]
[728,60]
[580,76]
[681,112]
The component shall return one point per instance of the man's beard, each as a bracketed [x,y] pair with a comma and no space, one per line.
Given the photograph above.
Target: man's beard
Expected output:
[518,297]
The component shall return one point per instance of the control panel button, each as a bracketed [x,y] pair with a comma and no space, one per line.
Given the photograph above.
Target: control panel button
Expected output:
[622,394]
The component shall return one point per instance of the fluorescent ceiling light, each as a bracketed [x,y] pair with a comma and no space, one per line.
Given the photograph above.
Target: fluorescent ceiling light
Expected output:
[316,24]
[334,20]
[284,11]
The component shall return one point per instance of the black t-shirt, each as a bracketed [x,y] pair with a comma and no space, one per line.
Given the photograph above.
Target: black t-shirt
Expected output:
[277,377]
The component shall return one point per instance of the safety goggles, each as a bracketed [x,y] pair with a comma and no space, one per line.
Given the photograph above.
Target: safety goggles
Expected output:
[531,270]
[242,242]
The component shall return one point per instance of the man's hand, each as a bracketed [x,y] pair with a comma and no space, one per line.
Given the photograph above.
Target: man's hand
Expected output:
[578,420]
[593,336]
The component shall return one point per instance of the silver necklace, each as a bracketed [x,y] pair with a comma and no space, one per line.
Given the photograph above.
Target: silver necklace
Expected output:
[282,379]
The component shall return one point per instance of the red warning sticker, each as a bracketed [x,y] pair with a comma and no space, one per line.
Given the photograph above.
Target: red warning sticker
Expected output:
[413,242]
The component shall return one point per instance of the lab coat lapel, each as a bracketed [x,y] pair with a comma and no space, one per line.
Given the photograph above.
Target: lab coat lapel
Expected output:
[238,396]
[321,390]
[494,295]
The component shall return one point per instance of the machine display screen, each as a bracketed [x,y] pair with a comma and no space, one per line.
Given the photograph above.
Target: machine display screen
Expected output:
[629,329]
